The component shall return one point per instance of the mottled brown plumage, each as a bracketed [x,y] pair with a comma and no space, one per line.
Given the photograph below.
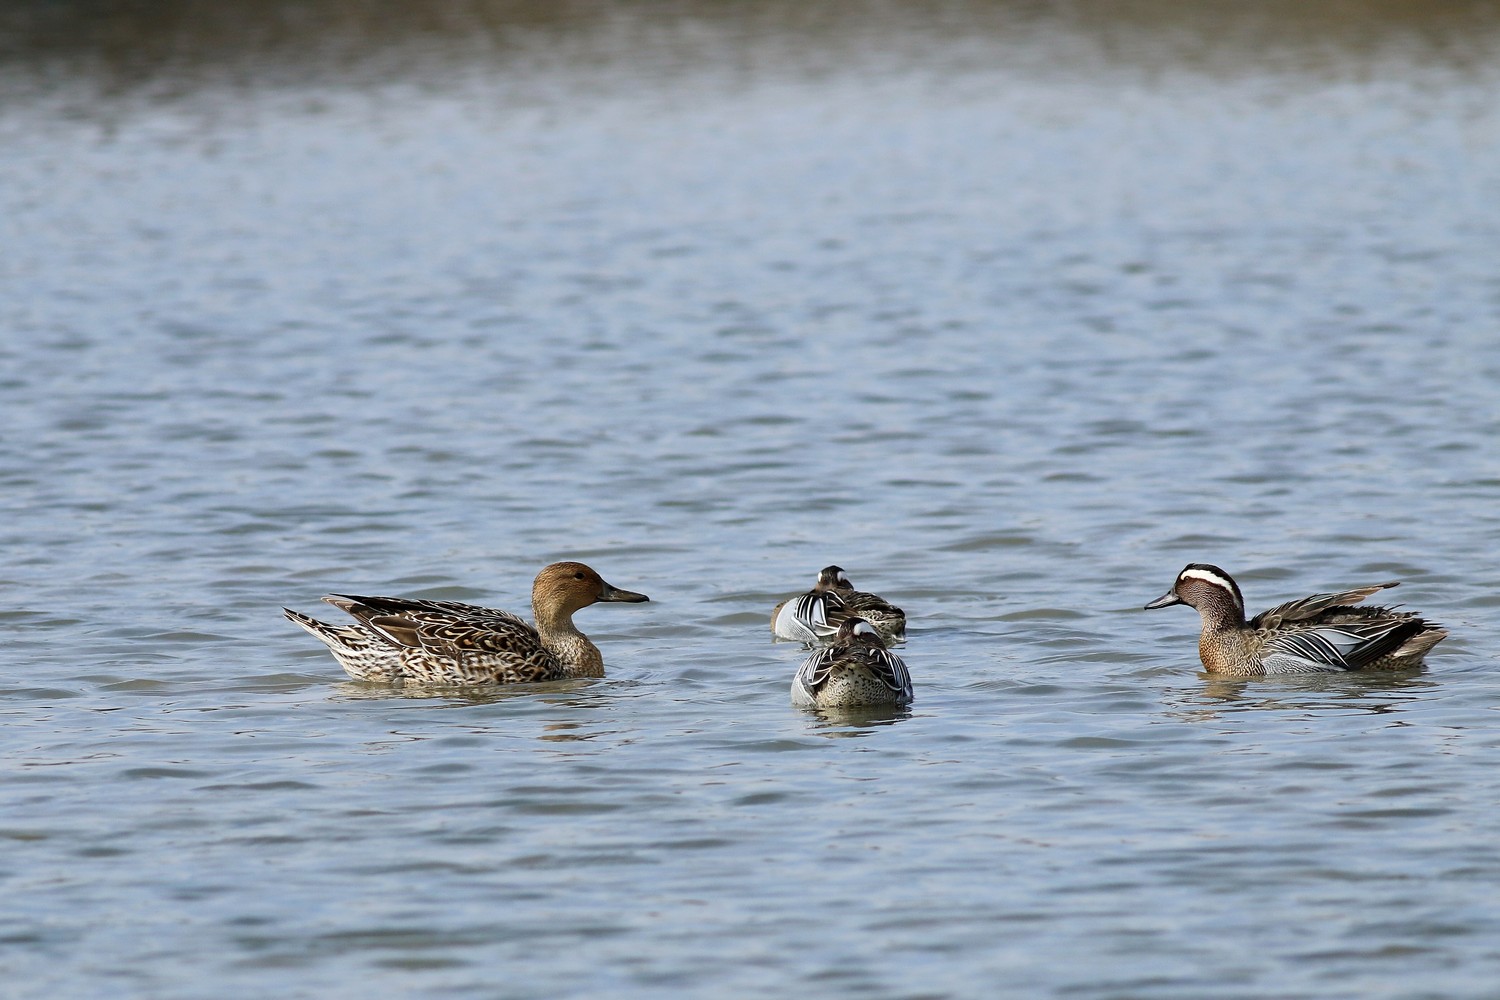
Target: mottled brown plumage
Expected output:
[402,640]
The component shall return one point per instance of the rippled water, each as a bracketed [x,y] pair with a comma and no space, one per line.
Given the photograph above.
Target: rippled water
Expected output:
[1009,310]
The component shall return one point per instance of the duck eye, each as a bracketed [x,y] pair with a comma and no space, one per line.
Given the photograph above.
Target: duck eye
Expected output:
[578,576]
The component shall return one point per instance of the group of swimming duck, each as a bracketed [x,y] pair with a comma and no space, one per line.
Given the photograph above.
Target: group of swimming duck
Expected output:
[404,641]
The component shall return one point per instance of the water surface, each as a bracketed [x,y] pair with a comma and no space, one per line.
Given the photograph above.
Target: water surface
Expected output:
[1011,310]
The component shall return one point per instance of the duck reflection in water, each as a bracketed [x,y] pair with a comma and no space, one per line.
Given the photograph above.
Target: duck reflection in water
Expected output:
[1310,695]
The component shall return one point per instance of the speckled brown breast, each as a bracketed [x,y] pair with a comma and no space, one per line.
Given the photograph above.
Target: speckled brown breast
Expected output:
[1229,652]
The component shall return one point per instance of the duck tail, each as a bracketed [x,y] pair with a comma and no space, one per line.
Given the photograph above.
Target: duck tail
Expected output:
[329,634]
[1419,645]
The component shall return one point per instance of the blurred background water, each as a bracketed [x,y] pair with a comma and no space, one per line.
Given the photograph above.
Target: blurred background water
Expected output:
[1009,308]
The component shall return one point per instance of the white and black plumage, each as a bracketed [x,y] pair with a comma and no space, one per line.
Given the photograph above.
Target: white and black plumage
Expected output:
[402,640]
[816,615]
[1323,633]
[856,670]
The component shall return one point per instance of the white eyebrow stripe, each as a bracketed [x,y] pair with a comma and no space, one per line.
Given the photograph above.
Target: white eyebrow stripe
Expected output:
[1203,574]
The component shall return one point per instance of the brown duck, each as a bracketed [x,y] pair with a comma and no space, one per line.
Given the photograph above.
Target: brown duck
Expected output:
[1323,633]
[401,640]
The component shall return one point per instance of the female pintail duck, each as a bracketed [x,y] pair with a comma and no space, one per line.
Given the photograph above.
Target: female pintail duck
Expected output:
[816,615]
[856,670]
[444,642]
[1319,634]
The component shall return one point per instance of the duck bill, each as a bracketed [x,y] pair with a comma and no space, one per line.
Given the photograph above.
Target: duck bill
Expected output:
[614,594]
[1164,601]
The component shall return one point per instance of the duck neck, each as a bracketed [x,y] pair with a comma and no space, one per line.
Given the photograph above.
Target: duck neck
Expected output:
[579,657]
[1220,612]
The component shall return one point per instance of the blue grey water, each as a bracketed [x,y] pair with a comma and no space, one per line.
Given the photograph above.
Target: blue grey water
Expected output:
[1011,310]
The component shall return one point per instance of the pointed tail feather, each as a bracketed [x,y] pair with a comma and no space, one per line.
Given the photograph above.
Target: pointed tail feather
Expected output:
[322,630]
[364,655]
[335,637]
[1421,644]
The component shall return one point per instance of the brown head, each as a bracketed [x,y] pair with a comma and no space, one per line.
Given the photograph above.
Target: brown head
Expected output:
[832,578]
[565,587]
[1209,589]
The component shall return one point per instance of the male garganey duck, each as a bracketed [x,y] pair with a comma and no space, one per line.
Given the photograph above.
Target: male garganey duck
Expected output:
[857,670]
[444,642]
[1319,634]
[816,615]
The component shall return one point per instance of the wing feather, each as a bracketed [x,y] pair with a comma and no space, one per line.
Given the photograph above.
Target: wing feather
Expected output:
[891,670]
[1307,608]
[1347,645]
[812,617]
[444,628]
[812,675]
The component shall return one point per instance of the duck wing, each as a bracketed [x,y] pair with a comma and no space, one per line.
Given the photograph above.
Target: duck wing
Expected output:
[1306,608]
[1347,643]
[811,617]
[889,620]
[888,668]
[862,603]
[446,628]
[812,675]
[836,609]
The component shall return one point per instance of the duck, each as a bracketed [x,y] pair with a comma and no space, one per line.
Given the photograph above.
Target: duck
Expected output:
[1324,633]
[400,640]
[816,615]
[857,670]
[889,621]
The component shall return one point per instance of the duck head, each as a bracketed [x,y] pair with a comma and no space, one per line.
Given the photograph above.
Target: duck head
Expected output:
[564,587]
[1209,589]
[832,578]
[857,631]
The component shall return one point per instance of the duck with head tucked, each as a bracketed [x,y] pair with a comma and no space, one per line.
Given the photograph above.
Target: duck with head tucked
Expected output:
[855,671]
[1324,633]
[400,640]
[816,615]
[889,621]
